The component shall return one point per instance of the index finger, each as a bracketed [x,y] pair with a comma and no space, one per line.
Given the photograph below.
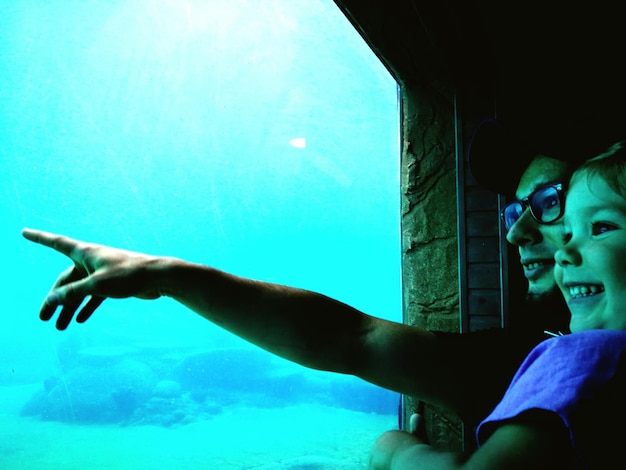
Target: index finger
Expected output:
[59,243]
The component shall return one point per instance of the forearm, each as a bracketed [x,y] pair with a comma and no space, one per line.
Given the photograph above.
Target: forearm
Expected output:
[314,330]
[297,324]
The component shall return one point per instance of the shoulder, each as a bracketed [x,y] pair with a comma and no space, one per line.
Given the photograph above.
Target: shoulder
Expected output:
[597,350]
[561,370]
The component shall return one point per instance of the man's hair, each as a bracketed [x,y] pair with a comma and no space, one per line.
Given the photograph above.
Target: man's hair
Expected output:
[569,169]
[497,157]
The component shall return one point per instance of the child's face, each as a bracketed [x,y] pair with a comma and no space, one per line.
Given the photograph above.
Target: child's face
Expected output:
[591,266]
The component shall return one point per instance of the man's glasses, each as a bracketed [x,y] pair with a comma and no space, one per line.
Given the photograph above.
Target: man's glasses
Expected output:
[546,206]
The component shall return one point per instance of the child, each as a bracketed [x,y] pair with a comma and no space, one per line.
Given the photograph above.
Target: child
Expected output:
[566,406]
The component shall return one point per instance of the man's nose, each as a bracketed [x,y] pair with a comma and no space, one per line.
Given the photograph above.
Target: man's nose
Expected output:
[524,231]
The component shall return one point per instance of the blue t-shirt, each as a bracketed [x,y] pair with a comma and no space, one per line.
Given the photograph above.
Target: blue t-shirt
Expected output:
[573,376]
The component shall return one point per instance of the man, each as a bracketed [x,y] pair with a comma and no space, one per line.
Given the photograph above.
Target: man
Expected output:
[485,361]
[465,373]
[498,162]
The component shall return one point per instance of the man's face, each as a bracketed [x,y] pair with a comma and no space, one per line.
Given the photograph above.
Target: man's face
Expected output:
[537,243]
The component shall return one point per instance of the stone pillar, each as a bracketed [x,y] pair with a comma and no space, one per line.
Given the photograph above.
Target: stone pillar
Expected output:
[429,232]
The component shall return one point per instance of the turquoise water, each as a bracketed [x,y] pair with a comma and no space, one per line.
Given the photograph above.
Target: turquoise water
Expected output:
[257,137]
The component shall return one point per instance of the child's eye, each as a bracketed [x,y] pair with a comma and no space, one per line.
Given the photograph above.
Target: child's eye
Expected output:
[598,228]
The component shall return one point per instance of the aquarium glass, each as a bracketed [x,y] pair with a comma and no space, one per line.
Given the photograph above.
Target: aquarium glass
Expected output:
[257,137]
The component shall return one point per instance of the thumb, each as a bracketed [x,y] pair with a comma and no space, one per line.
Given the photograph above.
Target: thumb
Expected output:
[416,422]
[417,427]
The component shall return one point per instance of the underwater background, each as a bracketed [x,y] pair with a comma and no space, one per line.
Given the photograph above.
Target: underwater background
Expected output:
[258,137]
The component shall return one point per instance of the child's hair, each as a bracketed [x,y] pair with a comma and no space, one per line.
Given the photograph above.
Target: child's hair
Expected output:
[610,166]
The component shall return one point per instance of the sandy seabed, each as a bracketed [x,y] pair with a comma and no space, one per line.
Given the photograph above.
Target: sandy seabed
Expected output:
[302,437]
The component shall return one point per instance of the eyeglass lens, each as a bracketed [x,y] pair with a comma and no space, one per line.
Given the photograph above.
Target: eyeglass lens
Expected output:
[545,207]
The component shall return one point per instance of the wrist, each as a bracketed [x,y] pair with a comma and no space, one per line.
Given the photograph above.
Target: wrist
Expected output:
[174,277]
[165,274]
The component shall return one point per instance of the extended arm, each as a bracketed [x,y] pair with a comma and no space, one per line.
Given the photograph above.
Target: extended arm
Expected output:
[300,325]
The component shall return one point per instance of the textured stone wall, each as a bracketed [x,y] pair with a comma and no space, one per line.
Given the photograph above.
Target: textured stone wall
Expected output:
[429,231]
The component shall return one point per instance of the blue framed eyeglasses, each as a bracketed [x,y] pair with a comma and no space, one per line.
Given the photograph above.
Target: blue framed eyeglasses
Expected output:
[546,205]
